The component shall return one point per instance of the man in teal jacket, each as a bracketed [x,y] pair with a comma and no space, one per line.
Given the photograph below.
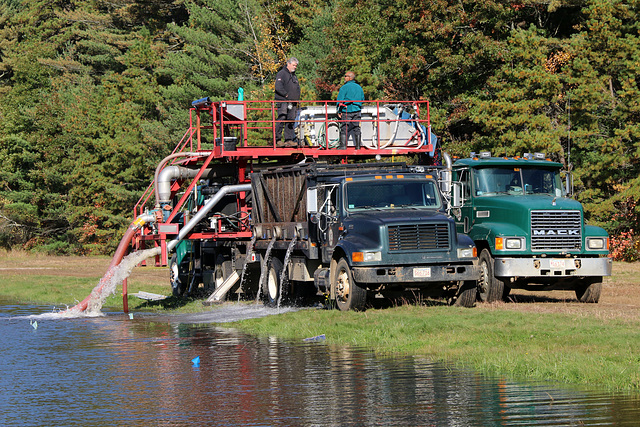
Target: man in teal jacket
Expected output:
[350,99]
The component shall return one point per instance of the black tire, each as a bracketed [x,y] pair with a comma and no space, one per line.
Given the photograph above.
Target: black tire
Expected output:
[349,295]
[589,290]
[222,271]
[490,289]
[466,296]
[273,290]
[178,277]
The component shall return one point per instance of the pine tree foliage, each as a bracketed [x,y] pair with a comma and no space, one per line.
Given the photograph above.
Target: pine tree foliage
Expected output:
[94,93]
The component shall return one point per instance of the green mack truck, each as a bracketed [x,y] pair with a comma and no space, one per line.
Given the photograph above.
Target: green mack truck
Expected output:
[529,234]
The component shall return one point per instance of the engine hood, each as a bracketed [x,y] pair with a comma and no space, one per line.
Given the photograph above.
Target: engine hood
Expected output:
[395,216]
[517,209]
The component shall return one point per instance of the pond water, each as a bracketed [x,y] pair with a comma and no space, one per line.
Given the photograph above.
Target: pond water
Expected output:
[114,370]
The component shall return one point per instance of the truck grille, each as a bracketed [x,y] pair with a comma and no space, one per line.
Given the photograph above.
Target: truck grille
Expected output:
[413,237]
[556,230]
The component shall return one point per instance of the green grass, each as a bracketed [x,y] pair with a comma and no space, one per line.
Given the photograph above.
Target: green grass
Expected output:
[556,347]
[44,289]
[63,291]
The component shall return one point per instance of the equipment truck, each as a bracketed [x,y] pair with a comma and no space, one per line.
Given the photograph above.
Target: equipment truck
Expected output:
[245,216]
[529,234]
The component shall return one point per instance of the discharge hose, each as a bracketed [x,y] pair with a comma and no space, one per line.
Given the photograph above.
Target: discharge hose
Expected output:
[117,257]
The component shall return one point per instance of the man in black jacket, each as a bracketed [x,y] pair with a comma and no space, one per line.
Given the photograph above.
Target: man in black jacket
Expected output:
[287,94]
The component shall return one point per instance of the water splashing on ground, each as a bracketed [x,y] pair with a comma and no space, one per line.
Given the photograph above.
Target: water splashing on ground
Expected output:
[263,267]
[109,282]
[283,273]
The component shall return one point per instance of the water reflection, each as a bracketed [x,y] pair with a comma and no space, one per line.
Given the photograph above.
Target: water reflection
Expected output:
[117,371]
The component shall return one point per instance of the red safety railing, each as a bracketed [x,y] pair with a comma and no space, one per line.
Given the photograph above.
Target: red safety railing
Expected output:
[246,128]
[242,131]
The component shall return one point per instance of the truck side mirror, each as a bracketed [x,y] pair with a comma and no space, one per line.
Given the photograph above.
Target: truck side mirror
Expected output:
[456,195]
[312,200]
[569,183]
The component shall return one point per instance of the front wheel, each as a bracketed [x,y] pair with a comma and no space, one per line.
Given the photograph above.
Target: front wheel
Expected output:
[490,289]
[589,290]
[349,295]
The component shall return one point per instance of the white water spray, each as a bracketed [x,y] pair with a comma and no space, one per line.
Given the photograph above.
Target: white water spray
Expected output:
[283,273]
[109,282]
[246,259]
[263,267]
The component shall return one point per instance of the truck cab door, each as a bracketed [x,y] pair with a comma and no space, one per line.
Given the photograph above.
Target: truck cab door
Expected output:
[464,214]
[328,219]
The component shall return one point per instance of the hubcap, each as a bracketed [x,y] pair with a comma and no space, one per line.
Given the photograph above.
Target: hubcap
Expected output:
[272,285]
[484,278]
[342,286]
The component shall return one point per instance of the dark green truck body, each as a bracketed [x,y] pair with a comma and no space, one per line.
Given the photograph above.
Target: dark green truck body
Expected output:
[529,234]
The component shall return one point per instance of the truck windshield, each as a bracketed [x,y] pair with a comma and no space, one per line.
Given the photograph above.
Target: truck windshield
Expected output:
[517,181]
[391,194]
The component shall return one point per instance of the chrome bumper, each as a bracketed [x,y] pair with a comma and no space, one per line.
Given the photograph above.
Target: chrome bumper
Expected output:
[552,267]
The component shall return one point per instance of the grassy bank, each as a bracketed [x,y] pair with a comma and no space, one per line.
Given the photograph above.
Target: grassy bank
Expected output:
[64,281]
[557,347]
[542,336]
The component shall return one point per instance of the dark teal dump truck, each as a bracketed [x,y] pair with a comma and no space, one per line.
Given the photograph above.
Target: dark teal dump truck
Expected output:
[359,230]
[528,232]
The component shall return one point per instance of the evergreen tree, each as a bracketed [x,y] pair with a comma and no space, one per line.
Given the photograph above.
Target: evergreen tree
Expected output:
[80,100]
[523,105]
[605,112]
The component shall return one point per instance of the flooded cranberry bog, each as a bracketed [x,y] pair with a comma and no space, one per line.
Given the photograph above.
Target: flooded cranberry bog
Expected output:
[156,369]
[354,368]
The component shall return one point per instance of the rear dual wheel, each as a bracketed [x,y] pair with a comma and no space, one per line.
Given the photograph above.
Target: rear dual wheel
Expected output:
[274,290]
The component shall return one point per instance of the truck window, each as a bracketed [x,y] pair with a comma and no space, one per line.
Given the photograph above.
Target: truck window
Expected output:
[517,181]
[466,185]
[391,194]
[542,181]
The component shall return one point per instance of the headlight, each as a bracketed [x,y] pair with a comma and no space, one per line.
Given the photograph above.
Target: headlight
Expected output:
[596,243]
[467,252]
[511,243]
[366,256]
[372,256]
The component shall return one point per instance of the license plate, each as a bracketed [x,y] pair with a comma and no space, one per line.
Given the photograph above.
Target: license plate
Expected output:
[557,263]
[422,272]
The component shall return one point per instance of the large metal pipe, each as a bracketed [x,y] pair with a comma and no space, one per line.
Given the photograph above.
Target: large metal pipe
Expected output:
[166,176]
[170,157]
[201,214]
[170,173]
